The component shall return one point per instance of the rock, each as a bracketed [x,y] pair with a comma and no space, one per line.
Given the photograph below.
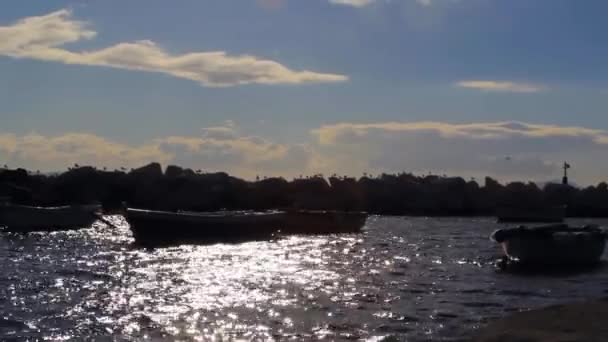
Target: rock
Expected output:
[152,170]
[173,171]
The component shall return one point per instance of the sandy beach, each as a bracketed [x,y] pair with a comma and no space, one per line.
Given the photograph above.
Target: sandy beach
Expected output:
[583,321]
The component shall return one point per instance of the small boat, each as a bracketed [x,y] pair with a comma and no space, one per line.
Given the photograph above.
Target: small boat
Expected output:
[158,228]
[547,214]
[553,245]
[21,218]
[323,222]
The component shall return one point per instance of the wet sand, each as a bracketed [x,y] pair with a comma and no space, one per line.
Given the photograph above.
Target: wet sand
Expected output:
[583,321]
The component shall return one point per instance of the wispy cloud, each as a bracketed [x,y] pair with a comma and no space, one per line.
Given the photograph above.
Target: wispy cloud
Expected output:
[507,150]
[52,153]
[218,148]
[363,3]
[42,38]
[501,86]
[511,150]
[329,134]
[354,3]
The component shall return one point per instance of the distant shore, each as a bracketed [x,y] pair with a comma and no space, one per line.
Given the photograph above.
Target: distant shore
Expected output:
[583,321]
[176,188]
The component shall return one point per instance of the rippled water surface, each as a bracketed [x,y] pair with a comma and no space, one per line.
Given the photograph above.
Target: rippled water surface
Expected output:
[410,278]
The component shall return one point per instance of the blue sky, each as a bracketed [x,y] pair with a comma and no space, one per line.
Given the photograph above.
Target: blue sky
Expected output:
[129,76]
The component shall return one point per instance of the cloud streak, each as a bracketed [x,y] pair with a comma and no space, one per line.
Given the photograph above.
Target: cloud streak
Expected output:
[53,153]
[219,148]
[329,134]
[506,150]
[353,3]
[501,86]
[363,3]
[43,38]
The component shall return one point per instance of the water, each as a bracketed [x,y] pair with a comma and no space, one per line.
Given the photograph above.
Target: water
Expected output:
[407,278]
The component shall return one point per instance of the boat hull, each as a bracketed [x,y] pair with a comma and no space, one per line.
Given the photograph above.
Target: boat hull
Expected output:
[323,222]
[157,228]
[556,249]
[17,218]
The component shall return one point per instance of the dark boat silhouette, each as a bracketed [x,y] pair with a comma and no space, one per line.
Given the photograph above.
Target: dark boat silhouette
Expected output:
[154,228]
[552,245]
[20,218]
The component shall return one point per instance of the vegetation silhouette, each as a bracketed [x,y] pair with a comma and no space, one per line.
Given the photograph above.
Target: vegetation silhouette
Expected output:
[388,194]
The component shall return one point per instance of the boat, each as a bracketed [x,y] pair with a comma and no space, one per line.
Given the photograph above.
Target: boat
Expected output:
[552,245]
[21,218]
[323,222]
[547,214]
[157,228]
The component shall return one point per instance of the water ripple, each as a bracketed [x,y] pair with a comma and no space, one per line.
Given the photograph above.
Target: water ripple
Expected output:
[414,278]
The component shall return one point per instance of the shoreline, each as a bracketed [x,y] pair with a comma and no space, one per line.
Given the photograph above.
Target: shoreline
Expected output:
[575,321]
[401,194]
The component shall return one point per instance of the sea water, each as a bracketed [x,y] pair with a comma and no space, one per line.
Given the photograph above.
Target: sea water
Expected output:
[403,278]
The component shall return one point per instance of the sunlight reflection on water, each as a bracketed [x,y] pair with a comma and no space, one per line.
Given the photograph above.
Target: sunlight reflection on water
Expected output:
[228,282]
[418,278]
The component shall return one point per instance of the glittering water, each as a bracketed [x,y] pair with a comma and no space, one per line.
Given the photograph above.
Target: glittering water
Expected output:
[406,278]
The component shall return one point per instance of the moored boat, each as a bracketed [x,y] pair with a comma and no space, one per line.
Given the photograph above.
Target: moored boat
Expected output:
[552,245]
[323,222]
[20,218]
[157,228]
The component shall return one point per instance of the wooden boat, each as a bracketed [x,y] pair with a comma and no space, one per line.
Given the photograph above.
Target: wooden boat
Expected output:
[157,228]
[323,222]
[548,214]
[20,218]
[552,245]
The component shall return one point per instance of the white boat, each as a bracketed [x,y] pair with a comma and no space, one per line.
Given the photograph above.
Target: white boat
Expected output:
[20,218]
[552,245]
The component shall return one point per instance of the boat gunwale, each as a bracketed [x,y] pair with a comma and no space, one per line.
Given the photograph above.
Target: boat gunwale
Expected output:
[140,213]
[54,208]
[545,232]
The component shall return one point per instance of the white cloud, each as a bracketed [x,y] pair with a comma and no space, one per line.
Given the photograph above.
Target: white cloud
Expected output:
[354,3]
[52,153]
[43,38]
[224,148]
[245,156]
[226,132]
[506,150]
[501,86]
[220,148]
[330,134]
[363,3]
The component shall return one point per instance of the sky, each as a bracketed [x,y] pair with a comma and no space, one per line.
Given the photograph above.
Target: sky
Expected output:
[508,89]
